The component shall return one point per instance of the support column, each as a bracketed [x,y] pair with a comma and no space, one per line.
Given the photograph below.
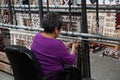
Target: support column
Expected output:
[85,44]
[40,3]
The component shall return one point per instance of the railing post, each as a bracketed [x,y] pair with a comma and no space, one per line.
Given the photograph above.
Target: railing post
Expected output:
[85,44]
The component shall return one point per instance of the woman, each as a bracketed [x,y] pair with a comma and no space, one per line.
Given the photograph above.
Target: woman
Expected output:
[52,53]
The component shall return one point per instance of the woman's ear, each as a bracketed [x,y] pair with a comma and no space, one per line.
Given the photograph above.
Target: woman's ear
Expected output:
[56,30]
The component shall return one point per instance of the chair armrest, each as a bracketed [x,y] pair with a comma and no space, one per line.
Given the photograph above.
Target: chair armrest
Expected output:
[59,72]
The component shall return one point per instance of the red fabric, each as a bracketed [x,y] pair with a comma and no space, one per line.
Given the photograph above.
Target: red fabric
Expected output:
[117,19]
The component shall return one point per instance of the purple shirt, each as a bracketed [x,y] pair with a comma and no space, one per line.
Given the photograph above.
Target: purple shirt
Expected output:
[51,53]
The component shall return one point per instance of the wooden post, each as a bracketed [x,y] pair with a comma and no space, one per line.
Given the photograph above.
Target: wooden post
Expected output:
[117,47]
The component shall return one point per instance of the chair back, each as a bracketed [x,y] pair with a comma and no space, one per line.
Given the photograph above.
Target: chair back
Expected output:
[24,63]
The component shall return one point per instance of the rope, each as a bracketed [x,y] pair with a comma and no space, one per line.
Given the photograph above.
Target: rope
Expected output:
[70,17]
[97,17]
[22,11]
[70,13]
[14,12]
[29,14]
[47,5]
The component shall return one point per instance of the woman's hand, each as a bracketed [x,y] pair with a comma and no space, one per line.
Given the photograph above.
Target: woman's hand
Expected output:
[74,47]
[69,44]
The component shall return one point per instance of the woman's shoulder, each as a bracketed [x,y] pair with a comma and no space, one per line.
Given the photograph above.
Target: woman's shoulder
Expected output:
[37,35]
[60,43]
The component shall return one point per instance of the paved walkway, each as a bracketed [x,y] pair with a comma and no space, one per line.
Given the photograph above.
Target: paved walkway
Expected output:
[104,68]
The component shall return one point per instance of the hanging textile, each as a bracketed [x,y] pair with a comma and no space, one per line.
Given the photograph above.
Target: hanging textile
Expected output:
[117,20]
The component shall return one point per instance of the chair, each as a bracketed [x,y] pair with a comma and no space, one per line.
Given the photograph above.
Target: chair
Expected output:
[25,65]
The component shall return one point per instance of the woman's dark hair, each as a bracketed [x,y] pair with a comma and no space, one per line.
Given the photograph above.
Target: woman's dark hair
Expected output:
[52,20]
